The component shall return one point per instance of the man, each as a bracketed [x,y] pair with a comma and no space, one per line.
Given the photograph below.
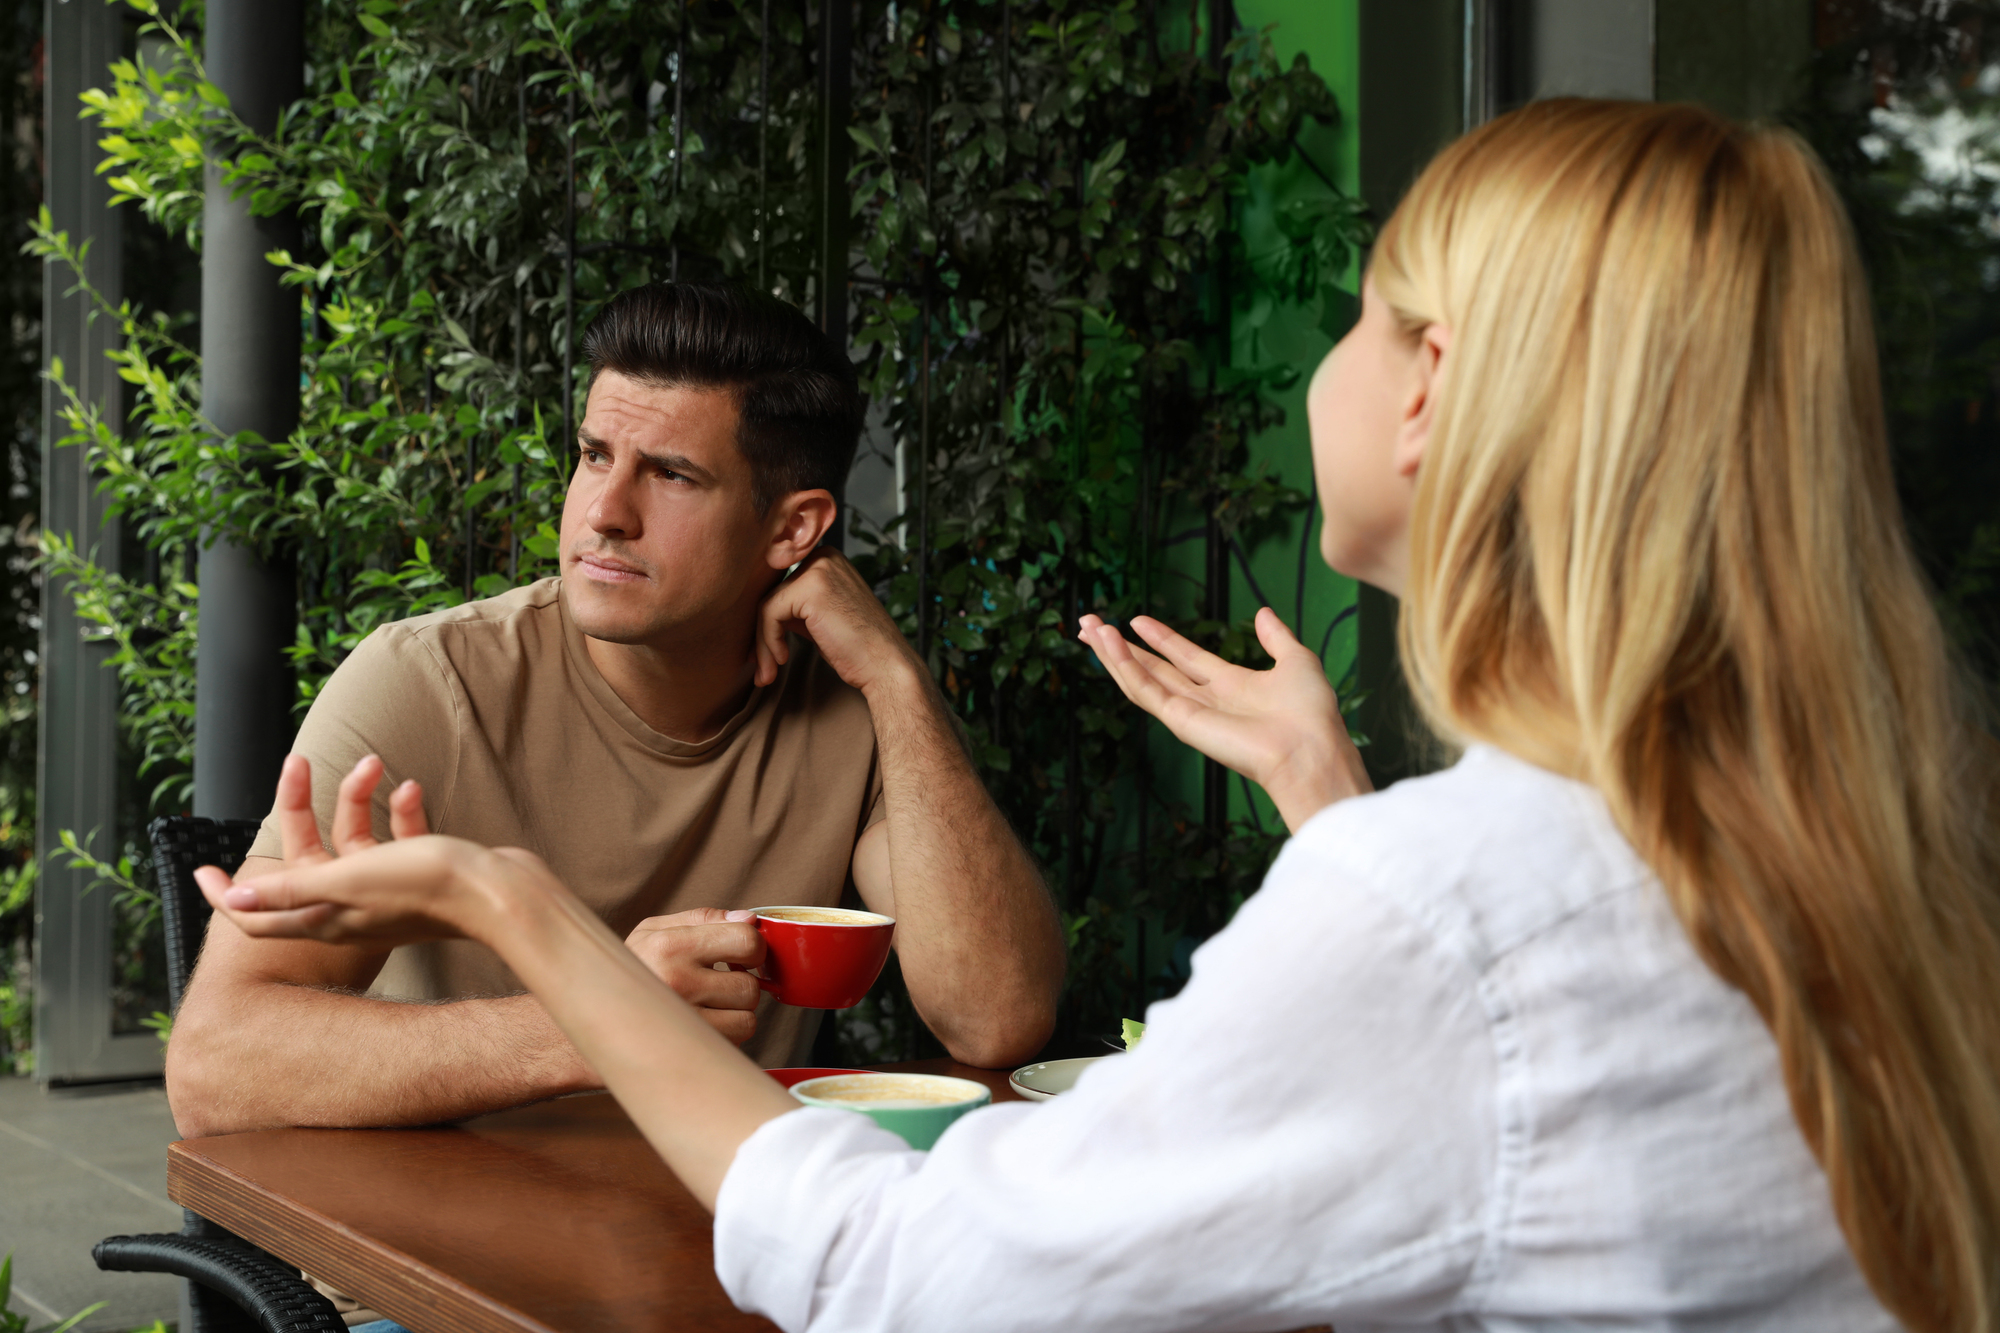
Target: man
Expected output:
[682,732]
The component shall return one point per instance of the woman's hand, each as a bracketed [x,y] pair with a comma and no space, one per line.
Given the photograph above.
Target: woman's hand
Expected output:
[402,892]
[1280,728]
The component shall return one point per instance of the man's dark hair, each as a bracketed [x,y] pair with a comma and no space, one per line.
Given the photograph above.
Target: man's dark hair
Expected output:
[799,403]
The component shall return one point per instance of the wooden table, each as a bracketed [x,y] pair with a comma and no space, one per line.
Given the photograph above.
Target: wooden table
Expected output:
[557,1218]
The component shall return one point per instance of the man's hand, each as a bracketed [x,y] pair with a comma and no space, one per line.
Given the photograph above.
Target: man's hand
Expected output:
[353,817]
[683,950]
[1280,728]
[826,600]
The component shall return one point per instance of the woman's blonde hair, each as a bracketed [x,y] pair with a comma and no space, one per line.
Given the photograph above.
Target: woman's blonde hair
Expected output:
[1656,546]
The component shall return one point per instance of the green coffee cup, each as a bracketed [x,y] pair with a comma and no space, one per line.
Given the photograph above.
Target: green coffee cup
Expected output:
[916,1106]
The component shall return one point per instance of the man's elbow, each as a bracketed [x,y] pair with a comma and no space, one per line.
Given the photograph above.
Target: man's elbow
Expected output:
[1006,1036]
[204,1098]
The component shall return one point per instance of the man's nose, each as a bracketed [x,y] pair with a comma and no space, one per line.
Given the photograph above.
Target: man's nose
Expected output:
[613,511]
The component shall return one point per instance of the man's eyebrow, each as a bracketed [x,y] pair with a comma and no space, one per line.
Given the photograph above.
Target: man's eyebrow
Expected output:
[680,463]
[669,462]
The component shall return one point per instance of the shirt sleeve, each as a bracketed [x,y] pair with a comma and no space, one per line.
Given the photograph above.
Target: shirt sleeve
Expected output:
[393,697]
[1307,1134]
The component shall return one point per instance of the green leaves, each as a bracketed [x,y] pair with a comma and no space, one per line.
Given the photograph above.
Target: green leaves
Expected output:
[1068,228]
[11,1321]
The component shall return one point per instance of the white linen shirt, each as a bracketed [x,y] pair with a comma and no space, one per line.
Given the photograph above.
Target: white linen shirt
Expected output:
[1455,1066]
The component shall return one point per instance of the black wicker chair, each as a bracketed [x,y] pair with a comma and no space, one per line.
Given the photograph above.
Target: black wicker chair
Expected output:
[232,1286]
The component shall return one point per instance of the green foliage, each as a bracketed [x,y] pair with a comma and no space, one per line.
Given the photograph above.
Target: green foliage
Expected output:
[12,1321]
[1077,275]
[18,866]
[1045,264]
[1906,113]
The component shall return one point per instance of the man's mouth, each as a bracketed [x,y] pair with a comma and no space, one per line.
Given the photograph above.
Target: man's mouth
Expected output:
[607,568]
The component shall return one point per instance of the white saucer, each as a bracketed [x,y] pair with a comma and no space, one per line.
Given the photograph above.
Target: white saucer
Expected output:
[1040,1082]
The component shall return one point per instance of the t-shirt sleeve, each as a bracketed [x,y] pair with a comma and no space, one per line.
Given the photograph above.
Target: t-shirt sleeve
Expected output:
[395,698]
[1308,1132]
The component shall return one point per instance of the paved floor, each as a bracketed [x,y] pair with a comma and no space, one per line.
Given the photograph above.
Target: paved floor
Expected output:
[77,1165]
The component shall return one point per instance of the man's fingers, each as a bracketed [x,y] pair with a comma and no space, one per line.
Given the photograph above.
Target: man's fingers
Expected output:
[354,811]
[669,947]
[724,942]
[779,610]
[693,916]
[406,810]
[706,988]
[736,1024]
[298,827]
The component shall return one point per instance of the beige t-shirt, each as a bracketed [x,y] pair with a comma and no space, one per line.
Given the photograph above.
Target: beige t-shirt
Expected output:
[496,709]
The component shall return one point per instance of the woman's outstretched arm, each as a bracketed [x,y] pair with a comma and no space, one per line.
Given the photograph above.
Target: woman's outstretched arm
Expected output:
[694,1095]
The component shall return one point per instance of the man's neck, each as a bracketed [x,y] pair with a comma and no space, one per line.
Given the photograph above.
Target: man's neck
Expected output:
[685,692]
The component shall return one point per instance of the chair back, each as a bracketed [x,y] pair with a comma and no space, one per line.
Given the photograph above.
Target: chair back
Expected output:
[180,843]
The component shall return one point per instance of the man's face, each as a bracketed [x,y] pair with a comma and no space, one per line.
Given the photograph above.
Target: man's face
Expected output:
[661,540]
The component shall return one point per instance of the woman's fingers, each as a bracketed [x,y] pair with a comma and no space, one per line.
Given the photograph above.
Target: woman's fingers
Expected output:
[1275,635]
[354,811]
[1195,662]
[1114,650]
[1136,679]
[263,909]
[298,827]
[393,893]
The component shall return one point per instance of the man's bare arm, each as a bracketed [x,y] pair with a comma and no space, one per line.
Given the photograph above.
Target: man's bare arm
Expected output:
[976,933]
[274,1032]
[977,936]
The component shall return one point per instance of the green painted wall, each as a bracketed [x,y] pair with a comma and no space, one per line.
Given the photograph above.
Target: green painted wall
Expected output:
[1327,33]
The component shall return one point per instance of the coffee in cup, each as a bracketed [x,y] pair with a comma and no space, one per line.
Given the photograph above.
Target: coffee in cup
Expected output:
[822,916]
[918,1107]
[822,957]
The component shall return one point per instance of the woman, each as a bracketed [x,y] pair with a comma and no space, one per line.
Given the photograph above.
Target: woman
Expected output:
[1667,1006]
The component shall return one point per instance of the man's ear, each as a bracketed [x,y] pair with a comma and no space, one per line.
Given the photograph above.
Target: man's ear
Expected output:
[798,522]
[1420,405]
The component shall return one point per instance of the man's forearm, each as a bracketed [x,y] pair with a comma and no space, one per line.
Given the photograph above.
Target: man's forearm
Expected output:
[978,938]
[283,1055]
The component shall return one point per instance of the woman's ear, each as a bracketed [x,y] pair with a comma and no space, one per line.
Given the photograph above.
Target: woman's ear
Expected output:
[1420,404]
[799,521]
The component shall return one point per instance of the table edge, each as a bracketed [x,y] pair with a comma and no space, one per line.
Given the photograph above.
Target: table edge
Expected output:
[190,1171]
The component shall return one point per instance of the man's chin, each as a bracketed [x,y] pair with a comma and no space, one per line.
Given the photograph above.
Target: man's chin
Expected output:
[610,613]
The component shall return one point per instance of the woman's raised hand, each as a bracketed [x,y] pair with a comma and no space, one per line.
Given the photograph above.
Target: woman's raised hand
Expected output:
[1280,728]
[364,891]
[402,892]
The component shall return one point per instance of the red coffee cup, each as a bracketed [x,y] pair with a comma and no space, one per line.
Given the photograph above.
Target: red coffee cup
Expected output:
[822,957]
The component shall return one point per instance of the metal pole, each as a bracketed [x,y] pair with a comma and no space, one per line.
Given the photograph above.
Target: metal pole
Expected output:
[924,370]
[763,146]
[680,81]
[1215,778]
[471,534]
[250,382]
[1006,385]
[836,75]
[77,755]
[520,342]
[569,283]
